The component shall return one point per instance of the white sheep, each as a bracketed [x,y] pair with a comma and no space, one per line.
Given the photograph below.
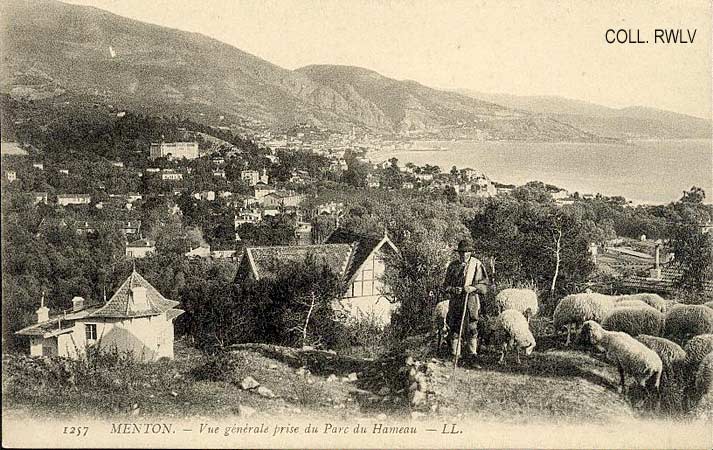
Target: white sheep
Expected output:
[574,310]
[634,320]
[703,393]
[626,303]
[510,330]
[653,300]
[630,356]
[685,321]
[671,354]
[697,349]
[523,300]
[440,322]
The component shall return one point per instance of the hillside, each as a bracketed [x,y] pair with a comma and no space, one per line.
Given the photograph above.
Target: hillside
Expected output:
[51,49]
[630,122]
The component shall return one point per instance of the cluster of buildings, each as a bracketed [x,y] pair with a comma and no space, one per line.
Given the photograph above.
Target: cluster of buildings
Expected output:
[139,320]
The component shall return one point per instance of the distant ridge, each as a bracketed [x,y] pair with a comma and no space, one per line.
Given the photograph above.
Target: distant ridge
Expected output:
[630,122]
[52,50]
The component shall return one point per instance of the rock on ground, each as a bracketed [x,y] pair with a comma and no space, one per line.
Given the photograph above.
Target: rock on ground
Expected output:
[249,383]
[265,392]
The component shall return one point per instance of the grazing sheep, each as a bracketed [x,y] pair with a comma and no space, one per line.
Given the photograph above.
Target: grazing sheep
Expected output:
[703,393]
[630,303]
[671,354]
[653,300]
[634,320]
[523,300]
[510,330]
[685,321]
[697,349]
[631,356]
[575,309]
[673,383]
[440,323]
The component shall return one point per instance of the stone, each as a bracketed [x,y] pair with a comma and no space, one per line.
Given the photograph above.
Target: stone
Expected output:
[249,383]
[410,361]
[174,393]
[245,411]
[307,347]
[353,376]
[417,398]
[265,392]
[272,366]
[331,378]
[302,371]
[384,390]
[344,380]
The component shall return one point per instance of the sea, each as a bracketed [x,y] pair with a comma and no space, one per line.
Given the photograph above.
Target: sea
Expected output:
[642,171]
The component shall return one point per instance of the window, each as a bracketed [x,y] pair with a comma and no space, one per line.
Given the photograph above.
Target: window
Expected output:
[91,331]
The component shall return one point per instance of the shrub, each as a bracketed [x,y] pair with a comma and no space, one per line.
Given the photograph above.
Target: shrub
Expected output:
[305,392]
[222,366]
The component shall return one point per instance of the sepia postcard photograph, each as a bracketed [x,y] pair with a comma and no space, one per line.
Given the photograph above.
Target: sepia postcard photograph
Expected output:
[357,223]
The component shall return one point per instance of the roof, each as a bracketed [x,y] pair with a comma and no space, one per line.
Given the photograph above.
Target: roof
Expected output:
[144,243]
[363,245]
[669,276]
[344,252]
[58,324]
[264,261]
[73,195]
[121,304]
[12,148]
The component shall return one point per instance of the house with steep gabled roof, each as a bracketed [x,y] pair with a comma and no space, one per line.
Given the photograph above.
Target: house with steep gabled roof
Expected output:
[358,260]
[137,319]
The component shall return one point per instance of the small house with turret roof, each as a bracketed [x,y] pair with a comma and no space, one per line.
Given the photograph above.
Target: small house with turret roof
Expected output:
[137,319]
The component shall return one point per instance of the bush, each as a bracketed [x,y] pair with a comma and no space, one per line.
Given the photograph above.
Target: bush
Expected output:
[222,366]
[305,392]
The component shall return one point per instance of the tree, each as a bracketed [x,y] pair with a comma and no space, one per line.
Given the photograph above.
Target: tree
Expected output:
[356,173]
[695,195]
[693,250]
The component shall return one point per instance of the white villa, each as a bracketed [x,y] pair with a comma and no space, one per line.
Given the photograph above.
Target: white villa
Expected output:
[137,319]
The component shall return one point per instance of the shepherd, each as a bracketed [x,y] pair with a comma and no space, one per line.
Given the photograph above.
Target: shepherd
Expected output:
[466,279]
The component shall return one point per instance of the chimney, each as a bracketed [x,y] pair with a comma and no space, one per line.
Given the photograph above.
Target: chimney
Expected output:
[43,313]
[656,271]
[77,304]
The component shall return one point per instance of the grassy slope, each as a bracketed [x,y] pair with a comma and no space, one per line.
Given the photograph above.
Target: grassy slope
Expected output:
[555,385]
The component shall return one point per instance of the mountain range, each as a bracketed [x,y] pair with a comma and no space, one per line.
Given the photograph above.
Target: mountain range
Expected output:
[629,122]
[52,50]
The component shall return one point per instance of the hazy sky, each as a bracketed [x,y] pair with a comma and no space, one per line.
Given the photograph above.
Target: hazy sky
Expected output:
[539,47]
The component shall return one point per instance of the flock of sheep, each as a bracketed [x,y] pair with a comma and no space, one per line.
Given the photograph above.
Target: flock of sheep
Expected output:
[662,344]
